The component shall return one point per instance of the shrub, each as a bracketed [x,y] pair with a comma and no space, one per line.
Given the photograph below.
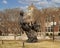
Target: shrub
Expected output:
[58,34]
[47,34]
[51,34]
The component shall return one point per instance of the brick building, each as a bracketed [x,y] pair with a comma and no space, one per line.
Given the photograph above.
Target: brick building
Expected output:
[49,19]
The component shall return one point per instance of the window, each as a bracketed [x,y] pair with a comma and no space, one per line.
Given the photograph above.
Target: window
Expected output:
[48,18]
[49,29]
[51,34]
[47,34]
[58,34]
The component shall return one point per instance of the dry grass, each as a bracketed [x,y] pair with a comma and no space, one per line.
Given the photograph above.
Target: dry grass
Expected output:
[40,44]
[44,44]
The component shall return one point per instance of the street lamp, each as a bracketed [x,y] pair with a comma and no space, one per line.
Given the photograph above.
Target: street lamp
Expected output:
[54,23]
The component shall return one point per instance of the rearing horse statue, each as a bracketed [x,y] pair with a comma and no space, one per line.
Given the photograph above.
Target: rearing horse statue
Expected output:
[30,29]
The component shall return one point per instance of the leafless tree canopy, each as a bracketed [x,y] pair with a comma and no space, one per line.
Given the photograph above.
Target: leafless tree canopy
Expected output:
[10,18]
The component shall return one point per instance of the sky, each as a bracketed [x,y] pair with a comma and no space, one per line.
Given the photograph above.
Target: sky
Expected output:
[5,4]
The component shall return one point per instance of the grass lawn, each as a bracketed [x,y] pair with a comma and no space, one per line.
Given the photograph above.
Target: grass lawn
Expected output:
[39,44]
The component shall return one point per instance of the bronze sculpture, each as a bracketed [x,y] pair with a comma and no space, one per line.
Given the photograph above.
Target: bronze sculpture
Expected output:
[30,29]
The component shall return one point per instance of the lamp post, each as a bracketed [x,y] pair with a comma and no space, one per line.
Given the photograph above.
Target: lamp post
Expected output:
[53,27]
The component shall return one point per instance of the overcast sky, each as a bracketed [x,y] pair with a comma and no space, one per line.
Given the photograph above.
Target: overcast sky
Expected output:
[24,3]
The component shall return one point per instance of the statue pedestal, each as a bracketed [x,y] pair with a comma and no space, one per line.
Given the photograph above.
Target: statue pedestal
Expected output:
[32,36]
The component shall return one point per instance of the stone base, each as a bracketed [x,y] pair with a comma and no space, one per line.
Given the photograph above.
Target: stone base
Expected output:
[31,40]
